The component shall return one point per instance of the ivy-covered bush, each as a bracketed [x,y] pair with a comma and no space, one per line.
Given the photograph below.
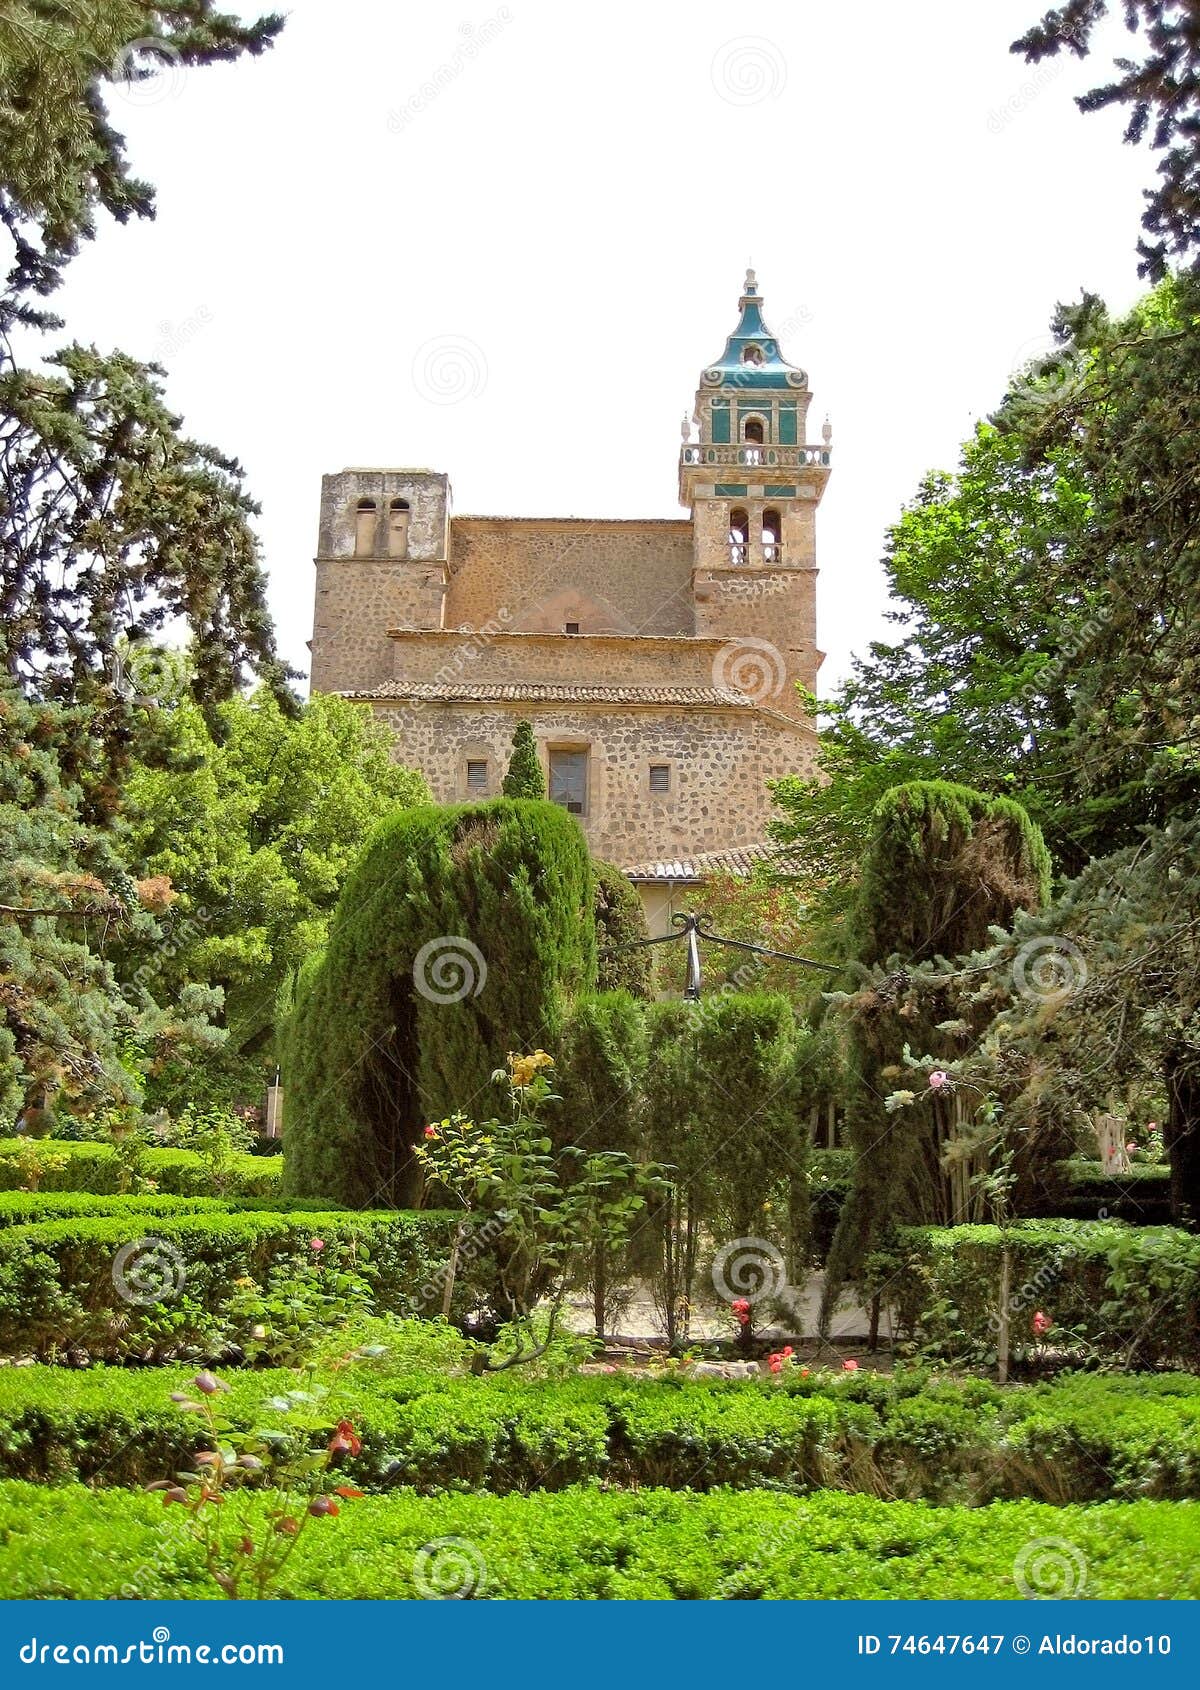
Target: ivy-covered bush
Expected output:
[152,1287]
[87,1165]
[462,934]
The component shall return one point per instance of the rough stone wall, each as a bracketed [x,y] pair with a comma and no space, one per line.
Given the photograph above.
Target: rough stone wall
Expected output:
[358,600]
[500,655]
[611,577]
[720,761]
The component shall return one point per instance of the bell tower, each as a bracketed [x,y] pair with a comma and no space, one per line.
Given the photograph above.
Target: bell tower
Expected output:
[752,484]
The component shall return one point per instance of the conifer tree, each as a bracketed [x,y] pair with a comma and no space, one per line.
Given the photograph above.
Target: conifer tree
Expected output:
[524,778]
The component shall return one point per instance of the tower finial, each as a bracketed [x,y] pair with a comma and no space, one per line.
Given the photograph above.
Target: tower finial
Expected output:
[751,280]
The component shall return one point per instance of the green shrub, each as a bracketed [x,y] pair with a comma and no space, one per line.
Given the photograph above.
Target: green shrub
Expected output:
[621,923]
[78,1544]
[425,1422]
[65,1284]
[1132,1293]
[85,1165]
[23,1208]
[462,934]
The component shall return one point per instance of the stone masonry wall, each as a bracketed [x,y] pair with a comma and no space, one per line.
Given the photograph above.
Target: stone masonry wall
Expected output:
[611,577]
[605,661]
[720,761]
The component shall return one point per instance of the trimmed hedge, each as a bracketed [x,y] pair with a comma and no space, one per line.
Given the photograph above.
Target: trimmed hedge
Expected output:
[91,1166]
[79,1544]
[1109,1288]
[1085,1192]
[24,1208]
[1083,1439]
[59,1289]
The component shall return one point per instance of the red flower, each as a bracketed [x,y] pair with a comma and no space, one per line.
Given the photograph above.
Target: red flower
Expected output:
[787,1350]
[775,1363]
[323,1505]
[1041,1323]
[287,1526]
[430,1132]
[804,1373]
[349,1492]
[850,1366]
[316,1243]
[246,1546]
[345,1438]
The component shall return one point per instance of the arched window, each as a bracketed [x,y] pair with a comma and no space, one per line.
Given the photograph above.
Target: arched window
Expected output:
[739,534]
[364,528]
[752,355]
[398,514]
[772,536]
[752,431]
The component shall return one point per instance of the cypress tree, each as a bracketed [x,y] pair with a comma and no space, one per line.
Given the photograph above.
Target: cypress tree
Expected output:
[462,934]
[524,777]
[943,865]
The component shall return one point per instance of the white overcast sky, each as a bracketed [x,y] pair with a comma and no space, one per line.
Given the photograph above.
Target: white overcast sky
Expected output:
[517,276]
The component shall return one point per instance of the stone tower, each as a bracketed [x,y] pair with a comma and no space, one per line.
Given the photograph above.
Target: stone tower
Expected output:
[753,485]
[382,564]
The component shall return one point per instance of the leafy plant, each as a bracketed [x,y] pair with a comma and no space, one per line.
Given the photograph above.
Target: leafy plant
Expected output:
[552,1211]
[245,1555]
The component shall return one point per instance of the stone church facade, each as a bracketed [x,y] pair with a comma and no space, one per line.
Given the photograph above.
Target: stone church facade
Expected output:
[656,659]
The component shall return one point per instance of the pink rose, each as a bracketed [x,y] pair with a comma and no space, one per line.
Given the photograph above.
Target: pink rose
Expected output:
[938,1079]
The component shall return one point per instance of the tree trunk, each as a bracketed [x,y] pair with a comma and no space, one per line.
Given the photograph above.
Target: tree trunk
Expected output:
[1181,1134]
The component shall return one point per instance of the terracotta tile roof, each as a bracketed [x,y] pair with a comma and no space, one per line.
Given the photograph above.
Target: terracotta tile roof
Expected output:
[740,861]
[538,692]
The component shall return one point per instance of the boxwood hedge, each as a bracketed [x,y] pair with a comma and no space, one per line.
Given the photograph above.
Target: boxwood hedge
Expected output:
[1108,1288]
[85,1165]
[583,1544]
[65,1284]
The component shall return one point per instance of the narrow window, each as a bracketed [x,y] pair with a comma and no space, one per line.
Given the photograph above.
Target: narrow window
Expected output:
[772,537]
[398,514]
[660,777]
[739,534]
[477,776]
[364,528]
[570,627]
[568,780]
[752,355]
[752,433]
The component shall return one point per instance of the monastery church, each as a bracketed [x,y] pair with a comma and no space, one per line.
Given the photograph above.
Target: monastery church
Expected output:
[657,659]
